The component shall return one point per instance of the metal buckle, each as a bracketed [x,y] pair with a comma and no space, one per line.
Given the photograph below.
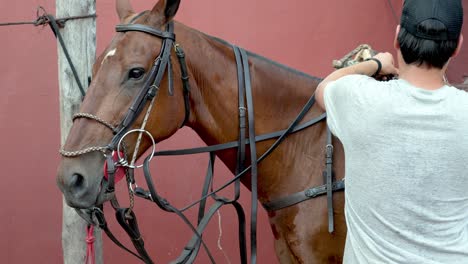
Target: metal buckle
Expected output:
[329,150]
[311,192]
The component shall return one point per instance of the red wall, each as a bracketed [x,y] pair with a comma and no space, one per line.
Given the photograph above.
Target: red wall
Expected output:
[304,34]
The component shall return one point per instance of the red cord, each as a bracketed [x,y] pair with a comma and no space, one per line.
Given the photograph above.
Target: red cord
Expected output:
[90,255]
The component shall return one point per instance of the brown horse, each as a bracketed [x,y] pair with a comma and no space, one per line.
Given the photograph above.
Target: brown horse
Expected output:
[279,93]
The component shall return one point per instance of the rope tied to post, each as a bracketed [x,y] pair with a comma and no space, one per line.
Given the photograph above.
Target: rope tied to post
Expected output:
[43,19]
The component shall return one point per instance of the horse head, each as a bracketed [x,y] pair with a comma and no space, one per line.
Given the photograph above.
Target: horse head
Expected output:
[124,78]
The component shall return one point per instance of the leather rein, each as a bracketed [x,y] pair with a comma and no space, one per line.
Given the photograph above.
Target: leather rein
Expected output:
[126,216]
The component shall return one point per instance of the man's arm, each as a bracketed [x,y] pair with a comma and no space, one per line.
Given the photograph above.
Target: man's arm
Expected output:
[368,68]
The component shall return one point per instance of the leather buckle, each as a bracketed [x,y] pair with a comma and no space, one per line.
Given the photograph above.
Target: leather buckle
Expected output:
[152,91]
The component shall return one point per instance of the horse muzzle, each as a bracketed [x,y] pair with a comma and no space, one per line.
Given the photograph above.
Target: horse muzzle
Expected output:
[80,180]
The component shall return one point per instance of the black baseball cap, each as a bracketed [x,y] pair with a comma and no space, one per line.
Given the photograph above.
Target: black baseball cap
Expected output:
[448,12]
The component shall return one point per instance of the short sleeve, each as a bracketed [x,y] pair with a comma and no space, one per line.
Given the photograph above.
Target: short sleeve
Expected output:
[340,99]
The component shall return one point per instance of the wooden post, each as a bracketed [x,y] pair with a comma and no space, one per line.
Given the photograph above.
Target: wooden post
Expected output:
[80,39]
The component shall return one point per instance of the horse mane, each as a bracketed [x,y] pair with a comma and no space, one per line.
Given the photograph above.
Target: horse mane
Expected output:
[254,55]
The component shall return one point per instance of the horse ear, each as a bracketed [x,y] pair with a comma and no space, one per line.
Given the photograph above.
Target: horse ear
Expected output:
[166,9]
[124,10]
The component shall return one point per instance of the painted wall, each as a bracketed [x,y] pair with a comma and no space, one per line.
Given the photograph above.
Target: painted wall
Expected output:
[304,34]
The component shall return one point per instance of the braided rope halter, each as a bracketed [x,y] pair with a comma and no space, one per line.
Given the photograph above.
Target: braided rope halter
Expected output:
[103,149]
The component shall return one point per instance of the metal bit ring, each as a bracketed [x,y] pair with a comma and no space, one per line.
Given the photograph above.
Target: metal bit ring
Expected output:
[128,133]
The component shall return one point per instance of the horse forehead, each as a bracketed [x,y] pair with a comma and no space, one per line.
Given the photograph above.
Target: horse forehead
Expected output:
[109,54]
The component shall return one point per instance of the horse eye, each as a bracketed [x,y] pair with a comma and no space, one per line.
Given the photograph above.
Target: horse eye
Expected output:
[136,73]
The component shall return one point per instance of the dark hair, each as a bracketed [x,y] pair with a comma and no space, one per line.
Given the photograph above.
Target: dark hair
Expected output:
[431,53]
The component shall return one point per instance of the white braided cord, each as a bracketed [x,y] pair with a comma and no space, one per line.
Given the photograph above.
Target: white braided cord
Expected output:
[71,154]
[140,134]
[95,118]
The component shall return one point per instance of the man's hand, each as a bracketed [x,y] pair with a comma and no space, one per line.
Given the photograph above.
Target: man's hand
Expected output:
[367,68]
[388,65]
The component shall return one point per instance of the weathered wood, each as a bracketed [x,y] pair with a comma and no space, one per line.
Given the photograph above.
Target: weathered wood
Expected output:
[80,40]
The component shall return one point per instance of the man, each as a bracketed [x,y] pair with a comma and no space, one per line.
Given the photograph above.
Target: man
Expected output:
[406,144]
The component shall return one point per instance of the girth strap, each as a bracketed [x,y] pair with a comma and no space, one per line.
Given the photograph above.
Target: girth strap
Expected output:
[302,196]
[328,188]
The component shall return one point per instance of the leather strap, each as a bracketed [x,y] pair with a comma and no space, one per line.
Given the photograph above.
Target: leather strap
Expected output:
[328,173]
[166,206]
[128,222]
[170,79]
[282,136]
[185,81]
[146,29]
[328,188]
[234,144]
[253,157]
[102,223]
[302,196]
[191,250]
[242,119]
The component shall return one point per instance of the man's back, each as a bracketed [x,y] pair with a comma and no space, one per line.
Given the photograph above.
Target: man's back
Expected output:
[406,170]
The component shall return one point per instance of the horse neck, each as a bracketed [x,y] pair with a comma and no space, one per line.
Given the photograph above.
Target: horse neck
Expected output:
[279,93]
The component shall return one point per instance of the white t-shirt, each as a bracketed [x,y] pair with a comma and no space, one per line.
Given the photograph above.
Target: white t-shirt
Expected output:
[406,156]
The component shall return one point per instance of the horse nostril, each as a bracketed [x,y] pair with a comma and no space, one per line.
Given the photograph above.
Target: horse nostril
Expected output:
[76,181]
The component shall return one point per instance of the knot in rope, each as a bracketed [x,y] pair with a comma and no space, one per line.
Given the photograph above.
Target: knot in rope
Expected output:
[90,253]
[90,240]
